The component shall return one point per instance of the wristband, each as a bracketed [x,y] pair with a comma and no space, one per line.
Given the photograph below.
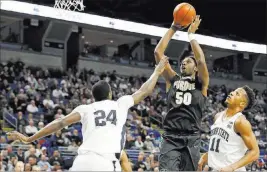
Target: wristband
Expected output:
[191,36]
[175,28]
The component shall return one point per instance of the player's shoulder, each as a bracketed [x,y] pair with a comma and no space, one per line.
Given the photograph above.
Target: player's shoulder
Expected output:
[242,124]
[242,120]
[126,99]
[84,107]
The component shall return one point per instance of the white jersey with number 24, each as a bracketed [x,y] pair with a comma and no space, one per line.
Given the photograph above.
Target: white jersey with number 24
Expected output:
[102,125]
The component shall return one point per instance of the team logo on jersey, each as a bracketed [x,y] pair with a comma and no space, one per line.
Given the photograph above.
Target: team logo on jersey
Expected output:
[184,85]
[230,125]
[220,132]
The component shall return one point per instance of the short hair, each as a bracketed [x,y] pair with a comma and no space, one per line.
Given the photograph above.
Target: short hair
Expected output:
[100,90]
[250,96]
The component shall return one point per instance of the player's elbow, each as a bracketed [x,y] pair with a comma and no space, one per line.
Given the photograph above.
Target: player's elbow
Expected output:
[157,54]
[255,154]
[149,92]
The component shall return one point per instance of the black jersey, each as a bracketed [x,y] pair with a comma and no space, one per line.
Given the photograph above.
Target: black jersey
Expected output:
[185,104]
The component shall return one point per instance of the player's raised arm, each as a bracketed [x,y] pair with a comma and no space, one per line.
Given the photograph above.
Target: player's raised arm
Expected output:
[203,72]
[50,128]
[147,88]
[125,163]
[243,127]
[160,49]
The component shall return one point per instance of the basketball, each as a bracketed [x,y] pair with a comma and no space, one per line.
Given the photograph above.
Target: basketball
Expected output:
[184,14]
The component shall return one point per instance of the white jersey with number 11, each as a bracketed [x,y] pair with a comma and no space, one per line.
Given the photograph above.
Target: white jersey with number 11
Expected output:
[226,146]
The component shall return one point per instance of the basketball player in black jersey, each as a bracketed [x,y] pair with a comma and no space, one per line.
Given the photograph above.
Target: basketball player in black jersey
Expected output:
[186,95]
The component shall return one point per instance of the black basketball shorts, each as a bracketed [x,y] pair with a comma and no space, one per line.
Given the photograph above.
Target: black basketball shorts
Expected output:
[178,159]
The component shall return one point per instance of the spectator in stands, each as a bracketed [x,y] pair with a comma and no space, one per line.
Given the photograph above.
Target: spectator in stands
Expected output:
[57,93]
[15,104]
[21,122]
[148,145]
[19,166]
[32,108]
[140,162]
[31,153]
[31,129]
[155,140]
[129,142]
[47,102]
[148,163]
[146,122]
[57,139]
[40,125]
[9,151]
[28,167]
[20,155]
[43,163]
[44,151]
[32,160]
[3,139]
[56,159]
[56,166]
[41,86]
[75,137]
[138,143]
[59,114]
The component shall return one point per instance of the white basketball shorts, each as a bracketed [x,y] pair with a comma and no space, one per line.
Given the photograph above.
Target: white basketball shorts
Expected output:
[95,162]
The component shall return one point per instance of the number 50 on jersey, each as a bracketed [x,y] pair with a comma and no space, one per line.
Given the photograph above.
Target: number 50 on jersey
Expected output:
[183,97]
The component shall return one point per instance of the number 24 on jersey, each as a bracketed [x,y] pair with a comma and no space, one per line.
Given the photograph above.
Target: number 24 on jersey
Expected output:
[101,118]
[185,98]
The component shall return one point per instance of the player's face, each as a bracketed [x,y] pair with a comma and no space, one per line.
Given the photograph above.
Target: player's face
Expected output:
[188,66]
[237,98]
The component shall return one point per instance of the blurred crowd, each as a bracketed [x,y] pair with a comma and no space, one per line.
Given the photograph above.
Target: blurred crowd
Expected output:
[36,96]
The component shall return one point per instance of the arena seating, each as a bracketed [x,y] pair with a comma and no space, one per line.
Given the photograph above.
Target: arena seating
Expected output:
[55,93]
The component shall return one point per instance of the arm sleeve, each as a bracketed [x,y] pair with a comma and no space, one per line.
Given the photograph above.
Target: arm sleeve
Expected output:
[126,101]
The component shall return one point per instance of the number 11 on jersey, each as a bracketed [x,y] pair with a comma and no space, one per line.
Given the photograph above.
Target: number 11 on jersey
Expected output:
[215,143]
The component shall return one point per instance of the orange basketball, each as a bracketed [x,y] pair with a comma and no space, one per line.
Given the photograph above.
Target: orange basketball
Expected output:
[184,14]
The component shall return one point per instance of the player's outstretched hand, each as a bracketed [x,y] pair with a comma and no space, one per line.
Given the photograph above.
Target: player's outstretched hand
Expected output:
[161,66]
[194,25]
[18,136]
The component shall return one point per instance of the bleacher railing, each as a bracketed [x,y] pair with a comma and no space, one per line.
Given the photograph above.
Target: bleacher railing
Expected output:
[67,152]
[10,119]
